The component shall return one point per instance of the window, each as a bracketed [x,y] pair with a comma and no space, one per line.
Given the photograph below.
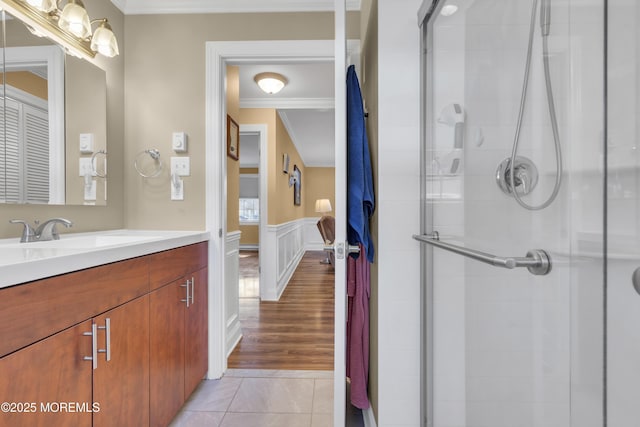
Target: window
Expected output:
[25,173]
[249,210]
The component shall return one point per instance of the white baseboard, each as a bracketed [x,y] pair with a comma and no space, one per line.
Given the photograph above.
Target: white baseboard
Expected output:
[368,417]
[249,247]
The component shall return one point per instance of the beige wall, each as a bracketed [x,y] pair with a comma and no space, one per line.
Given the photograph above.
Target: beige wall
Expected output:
[369,83]
[250,234]
[320,183]
[279,195]
[233,166]
[283,209]
[165,92]
[82,115]
[89,218]
[28,82]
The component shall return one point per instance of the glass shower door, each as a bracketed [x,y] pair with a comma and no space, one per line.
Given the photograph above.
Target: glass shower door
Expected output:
[623,234]
[507,345]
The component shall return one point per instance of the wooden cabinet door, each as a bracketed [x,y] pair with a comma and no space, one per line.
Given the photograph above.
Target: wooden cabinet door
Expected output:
[166,352]
[196,333]
[46,375]
[121,384]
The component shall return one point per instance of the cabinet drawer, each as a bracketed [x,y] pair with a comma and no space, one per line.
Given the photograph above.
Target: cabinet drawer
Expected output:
[168,266]
[36,310]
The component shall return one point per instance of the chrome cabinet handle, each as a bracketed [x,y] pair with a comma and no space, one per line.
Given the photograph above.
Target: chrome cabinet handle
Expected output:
[94,345]
[537,261]
[193,289]
[107,331]
[188,286]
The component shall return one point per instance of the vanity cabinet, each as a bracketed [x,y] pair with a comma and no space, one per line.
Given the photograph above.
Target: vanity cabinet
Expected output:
[45,373]
[107,339]
[179,353]
[121,377]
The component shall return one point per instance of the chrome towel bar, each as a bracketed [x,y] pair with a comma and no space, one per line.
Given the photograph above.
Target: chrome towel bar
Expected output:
[537,261]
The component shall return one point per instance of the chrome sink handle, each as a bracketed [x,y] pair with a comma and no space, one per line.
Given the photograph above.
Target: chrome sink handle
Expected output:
[47,230]
[28,235]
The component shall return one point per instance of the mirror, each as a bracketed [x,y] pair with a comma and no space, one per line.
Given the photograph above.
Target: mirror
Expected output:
[53,111]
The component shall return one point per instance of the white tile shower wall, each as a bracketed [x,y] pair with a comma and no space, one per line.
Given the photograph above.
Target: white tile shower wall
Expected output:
[398,255]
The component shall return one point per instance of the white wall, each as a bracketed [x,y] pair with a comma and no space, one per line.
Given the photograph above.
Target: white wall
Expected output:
[398,206]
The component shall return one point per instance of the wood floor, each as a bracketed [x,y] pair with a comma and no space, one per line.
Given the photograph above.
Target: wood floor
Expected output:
[297,331]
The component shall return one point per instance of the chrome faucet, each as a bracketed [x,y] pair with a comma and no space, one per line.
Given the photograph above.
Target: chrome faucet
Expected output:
[44,232]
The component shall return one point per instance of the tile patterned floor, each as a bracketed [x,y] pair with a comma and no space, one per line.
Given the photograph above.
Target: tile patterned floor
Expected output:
[256,398]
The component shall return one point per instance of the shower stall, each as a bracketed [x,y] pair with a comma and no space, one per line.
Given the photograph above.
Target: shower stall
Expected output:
[530,213]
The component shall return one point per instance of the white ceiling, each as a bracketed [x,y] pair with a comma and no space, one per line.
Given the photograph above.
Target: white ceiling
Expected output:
[140,7]
[305,106]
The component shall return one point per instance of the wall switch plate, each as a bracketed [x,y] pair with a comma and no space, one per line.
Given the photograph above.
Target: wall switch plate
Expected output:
[181,166]
[179,142]
[86,167]
[86,143]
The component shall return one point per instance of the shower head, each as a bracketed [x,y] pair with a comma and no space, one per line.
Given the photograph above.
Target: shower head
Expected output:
[545,17]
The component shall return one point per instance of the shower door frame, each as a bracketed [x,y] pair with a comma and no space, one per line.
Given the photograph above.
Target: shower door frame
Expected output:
[428,9]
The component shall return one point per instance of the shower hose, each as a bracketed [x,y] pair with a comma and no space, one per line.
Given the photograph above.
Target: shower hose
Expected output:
[544,27]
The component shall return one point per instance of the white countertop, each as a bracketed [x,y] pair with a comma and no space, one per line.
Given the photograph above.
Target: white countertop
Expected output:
[25,262]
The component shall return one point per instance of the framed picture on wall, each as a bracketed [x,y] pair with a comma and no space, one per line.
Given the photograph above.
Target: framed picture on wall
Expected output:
[233,138]
[297,186]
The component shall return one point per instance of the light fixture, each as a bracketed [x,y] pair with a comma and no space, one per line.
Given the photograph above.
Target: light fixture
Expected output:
[448,10]
[104,41]
[323,206]
[75,19]
[270,82]
[69,26]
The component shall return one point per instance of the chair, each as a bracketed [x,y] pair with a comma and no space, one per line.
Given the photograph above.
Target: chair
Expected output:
[326,226]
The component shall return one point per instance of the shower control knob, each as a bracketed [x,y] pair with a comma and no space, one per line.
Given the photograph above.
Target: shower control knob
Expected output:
[635,279]
[525,175]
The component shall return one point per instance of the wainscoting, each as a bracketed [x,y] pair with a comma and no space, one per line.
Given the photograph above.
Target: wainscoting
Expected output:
[280,255]
[231,296]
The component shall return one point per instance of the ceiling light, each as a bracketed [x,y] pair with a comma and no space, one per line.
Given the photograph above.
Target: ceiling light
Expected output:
[270,82]
[449,10]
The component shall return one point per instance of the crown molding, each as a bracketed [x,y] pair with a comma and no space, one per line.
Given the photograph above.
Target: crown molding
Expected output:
[148,7]
[288,103]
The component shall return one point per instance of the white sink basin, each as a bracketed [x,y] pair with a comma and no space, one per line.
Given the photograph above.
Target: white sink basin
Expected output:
[82,242]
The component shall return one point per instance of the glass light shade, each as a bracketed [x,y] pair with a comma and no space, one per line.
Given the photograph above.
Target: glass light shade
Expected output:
[43,5]
[270,82]
[104,41]
[449,10]
[75,19]
[323,205]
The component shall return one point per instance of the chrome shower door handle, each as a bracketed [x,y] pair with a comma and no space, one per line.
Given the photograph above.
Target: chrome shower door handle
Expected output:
[537,261]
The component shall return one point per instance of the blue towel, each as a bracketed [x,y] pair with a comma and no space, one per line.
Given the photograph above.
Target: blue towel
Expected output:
[360,196]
